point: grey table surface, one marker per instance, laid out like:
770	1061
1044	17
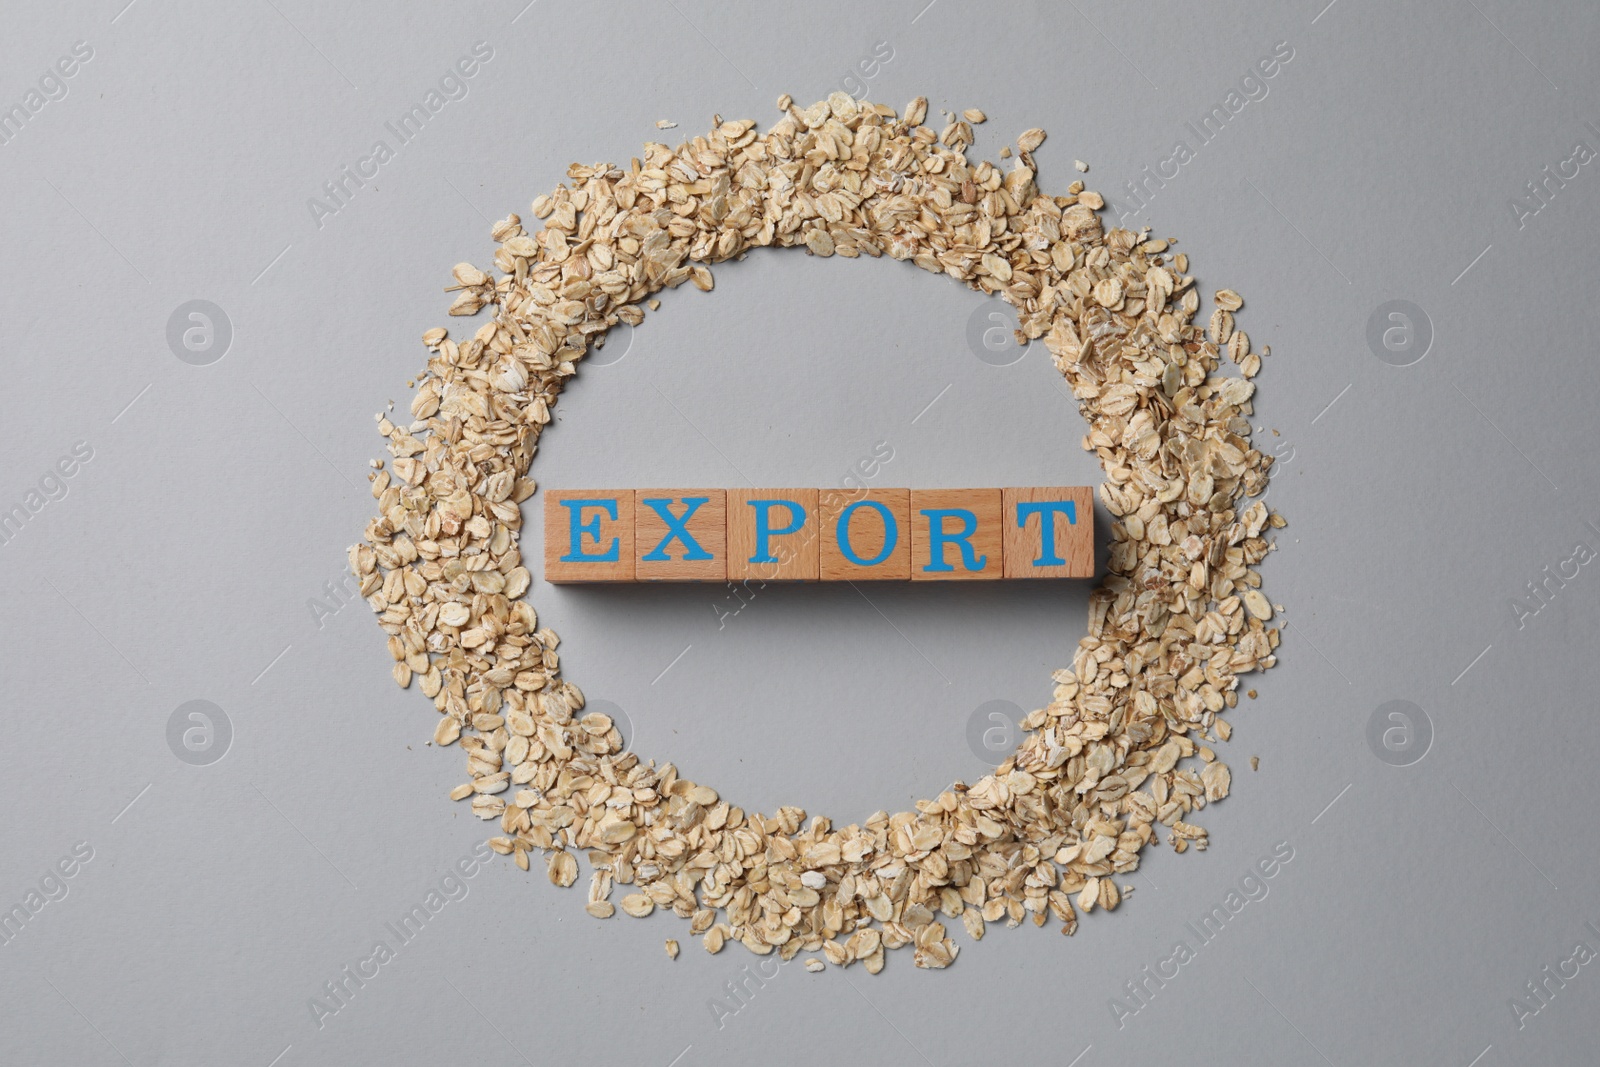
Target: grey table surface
1431	467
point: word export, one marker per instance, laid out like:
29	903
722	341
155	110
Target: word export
830	535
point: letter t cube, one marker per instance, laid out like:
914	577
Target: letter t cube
1049	532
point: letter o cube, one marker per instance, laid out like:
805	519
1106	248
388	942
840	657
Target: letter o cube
866	534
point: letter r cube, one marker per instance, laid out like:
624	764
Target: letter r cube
956	535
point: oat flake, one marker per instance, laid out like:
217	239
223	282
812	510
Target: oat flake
1101	767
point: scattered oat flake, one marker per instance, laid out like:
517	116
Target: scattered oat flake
672	949
1257	604
664	124
1255	763
972	114
1083	168
813	964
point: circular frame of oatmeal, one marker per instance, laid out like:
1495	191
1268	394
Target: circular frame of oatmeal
1119	751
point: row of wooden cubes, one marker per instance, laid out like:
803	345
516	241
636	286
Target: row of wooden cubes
831	535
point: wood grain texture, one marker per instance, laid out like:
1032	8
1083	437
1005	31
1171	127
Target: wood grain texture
866	534
798	555
597	533
938	553
1027	552
707	527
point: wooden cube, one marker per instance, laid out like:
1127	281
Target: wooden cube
866	534
588	535
773	535
956	535
1049	532
680	535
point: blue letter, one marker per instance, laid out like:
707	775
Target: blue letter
938	538
764	530
764	527
677	529
576	554
1045	509
891	533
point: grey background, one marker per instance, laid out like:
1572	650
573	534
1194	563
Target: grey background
181	563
